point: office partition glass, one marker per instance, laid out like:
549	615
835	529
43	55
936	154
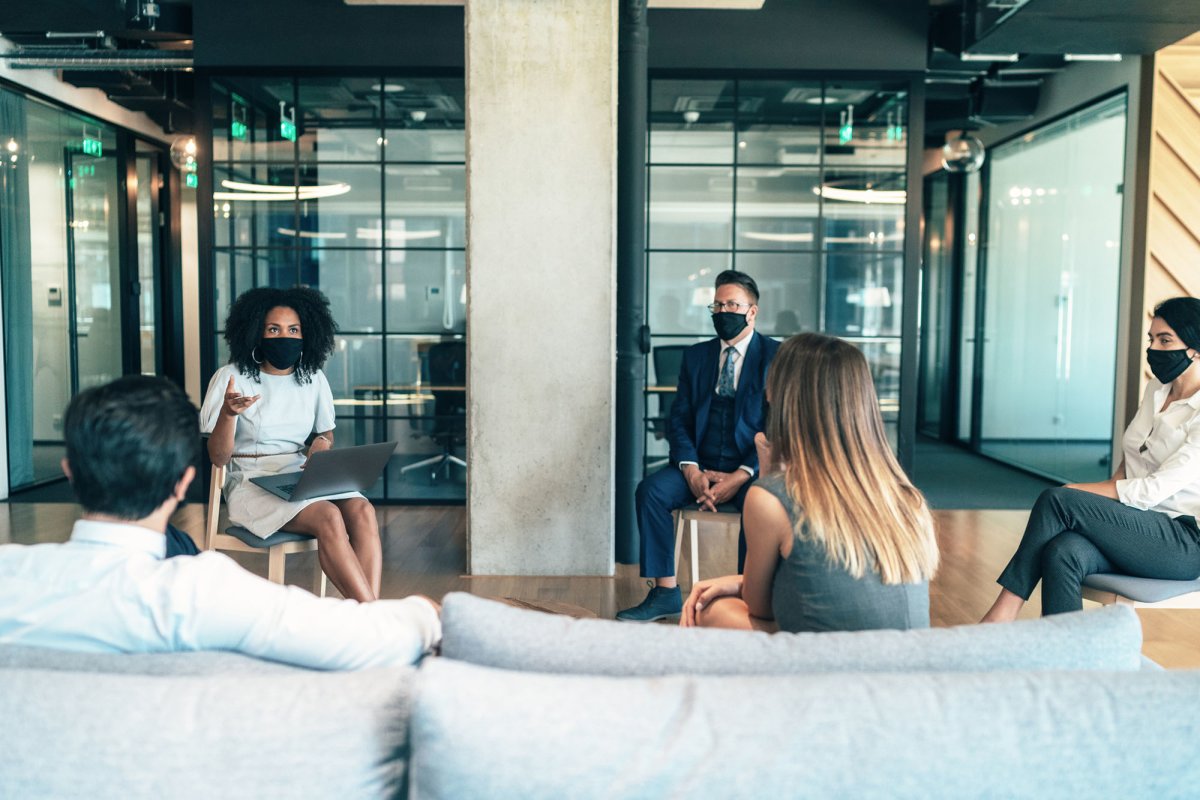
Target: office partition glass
800	184
356	186
1052	268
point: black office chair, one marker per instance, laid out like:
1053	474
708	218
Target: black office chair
668	361
448	425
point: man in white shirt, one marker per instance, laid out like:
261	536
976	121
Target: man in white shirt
130	449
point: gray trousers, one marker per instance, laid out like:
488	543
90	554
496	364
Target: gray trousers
1072	534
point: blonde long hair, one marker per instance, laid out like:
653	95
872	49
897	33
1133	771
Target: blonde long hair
828	440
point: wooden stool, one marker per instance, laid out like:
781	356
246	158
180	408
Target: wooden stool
727	514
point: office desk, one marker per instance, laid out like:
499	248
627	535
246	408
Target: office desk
367	396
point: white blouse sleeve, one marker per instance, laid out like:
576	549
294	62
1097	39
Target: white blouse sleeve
214	398
325	412
1180	469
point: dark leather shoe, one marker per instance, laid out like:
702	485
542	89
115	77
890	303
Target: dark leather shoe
659	604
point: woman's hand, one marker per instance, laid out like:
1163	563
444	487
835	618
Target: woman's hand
704	593
766	456
235	402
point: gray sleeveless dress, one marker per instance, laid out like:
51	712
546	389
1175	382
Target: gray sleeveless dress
812	594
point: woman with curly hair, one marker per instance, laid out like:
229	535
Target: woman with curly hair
261	410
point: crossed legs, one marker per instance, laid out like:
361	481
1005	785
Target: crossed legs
348	544
1072	534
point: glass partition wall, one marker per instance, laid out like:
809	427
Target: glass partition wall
1051	272
356	186
799	184
78	279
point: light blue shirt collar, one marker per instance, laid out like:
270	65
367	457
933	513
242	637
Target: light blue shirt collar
116	534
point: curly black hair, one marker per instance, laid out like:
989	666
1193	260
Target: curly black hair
247	315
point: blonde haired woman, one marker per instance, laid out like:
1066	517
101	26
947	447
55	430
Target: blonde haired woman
837	537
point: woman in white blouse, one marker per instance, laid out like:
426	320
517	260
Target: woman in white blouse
261	411
1140	522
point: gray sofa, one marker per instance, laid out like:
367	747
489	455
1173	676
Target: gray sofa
531	705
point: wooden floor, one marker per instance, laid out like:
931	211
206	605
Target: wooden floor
425	553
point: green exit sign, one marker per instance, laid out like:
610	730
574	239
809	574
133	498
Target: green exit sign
845	133
287	129
239	130
86	170
191	180
93	147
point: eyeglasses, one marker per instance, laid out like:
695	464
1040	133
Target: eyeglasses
731	305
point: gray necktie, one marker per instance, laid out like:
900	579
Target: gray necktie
725	386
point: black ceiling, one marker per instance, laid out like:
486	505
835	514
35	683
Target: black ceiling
961	92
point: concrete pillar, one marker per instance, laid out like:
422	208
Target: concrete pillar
541	189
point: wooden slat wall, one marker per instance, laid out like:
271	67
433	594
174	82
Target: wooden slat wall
1173	223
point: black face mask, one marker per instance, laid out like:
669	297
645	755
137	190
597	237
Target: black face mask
281	352
728	324
1167	365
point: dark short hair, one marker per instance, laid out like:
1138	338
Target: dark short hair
128	444
1183	315
732	276
244	328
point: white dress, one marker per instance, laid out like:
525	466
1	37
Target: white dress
275	427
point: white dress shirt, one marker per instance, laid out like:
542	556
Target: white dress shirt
110	589
1162	455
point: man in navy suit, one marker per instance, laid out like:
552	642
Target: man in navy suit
717	411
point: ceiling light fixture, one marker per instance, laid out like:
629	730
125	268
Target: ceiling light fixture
390	88
1006	57
893	197
260	192
376	234
310	234
1092	57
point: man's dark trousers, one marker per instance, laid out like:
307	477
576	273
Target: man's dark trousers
657	496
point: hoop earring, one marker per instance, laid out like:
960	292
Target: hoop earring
252	358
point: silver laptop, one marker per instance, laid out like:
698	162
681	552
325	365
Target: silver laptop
350	469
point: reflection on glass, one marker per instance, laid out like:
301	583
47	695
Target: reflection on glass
681	287
427	291
425	207
147	264
936	286
863	210
95	258
344	210
425	119
247	117
353	282
862	294
355	369
339	119
779	122
235	272
254	206
691	122
1053	263
777	209
691	208
789	291
966	383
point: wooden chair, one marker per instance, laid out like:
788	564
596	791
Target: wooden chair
278	545
727	515
1110	589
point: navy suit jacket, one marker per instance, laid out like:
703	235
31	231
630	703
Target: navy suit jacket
693	397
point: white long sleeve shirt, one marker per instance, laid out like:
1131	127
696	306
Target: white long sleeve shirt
110	589
1162	455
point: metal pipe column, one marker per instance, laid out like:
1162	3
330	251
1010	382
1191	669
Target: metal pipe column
632	333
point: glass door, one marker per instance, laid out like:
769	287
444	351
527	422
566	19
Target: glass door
93	269
149	260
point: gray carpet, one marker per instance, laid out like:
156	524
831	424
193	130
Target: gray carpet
952	477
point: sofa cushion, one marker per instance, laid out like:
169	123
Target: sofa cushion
230	734
207	662
497	635
479	732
